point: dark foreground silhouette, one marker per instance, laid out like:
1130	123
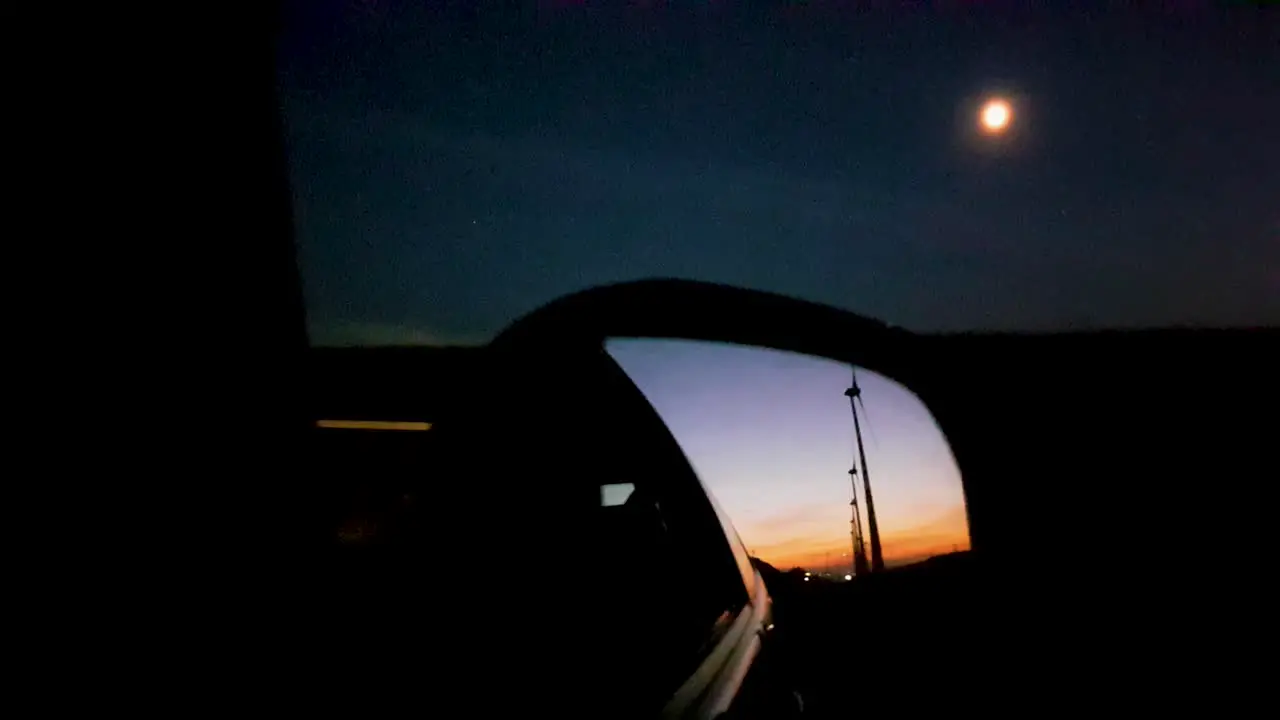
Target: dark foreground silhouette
845	642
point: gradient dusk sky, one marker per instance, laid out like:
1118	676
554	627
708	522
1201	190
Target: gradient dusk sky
771	436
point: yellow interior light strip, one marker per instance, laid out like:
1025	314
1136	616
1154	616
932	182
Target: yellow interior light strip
373	425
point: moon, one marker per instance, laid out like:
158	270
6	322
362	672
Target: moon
996	116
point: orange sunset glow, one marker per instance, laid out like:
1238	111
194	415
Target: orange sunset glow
806	544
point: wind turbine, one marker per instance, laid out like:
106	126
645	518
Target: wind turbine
854	393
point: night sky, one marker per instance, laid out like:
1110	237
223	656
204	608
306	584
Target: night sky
453	170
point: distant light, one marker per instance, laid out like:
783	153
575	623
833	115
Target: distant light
807	574
848	577
806	577
373	425
996	116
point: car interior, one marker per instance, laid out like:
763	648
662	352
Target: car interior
1114	480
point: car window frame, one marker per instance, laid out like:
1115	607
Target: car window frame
697	510
741	555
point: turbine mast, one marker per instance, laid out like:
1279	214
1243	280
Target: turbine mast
877	559
860	566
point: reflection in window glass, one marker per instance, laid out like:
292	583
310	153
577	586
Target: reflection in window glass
770	434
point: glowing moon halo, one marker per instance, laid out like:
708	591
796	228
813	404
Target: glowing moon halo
996	116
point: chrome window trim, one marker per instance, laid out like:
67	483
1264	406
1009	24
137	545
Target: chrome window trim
710	690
